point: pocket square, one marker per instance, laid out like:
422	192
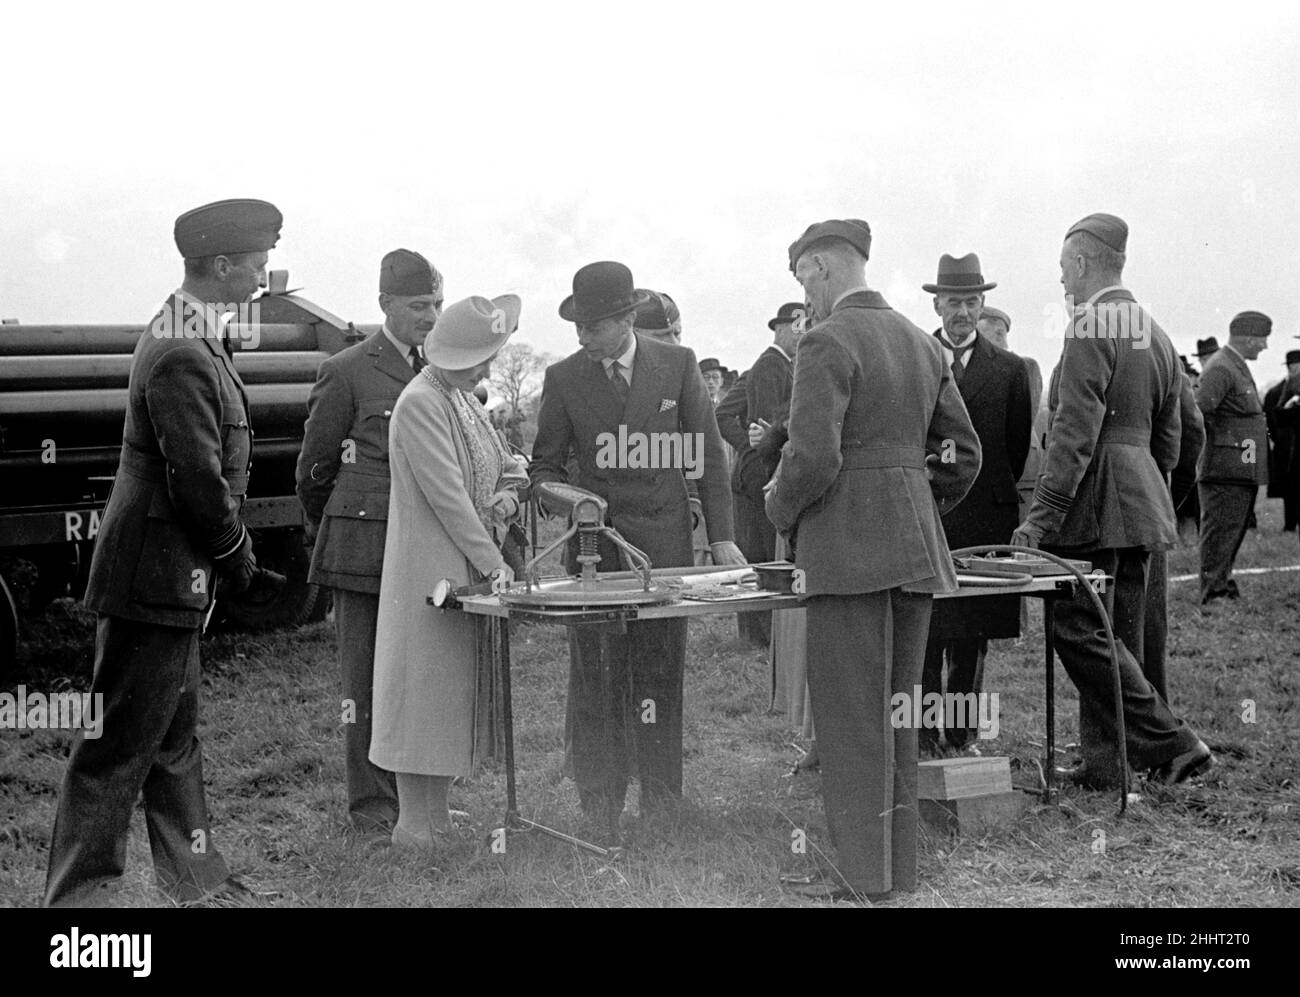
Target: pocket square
667	403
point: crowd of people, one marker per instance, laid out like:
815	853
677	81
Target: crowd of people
857	445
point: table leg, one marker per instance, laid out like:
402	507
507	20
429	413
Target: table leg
506	707
1049	645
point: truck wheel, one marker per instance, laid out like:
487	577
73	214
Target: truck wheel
8	631
298	602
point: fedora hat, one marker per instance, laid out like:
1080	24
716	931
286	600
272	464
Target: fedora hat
1206	347
959	274
601	290
787	313
472	331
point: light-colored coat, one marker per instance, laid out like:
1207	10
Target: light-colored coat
425	659
872	397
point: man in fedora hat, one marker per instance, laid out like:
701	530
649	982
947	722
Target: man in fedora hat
994	384
872	406
171	534
1206	348
1103	498
1234	462
343	484
711	371
757	432
622	383
1282	409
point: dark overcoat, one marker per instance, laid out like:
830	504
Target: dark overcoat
995	389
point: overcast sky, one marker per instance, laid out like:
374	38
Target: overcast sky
691	141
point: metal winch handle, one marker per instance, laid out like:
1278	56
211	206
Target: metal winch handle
586	512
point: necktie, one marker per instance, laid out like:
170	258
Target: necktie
958	366
618	381
417	364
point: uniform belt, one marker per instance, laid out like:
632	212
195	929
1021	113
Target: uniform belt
856	458
1131	435
368	471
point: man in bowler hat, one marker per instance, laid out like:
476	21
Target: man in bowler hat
619	378
872	407
1103	498
343	482
1234	462
171	535
994	384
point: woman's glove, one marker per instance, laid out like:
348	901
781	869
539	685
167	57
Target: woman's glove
501	578
504	506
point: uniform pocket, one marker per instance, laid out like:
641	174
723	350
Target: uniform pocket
168	571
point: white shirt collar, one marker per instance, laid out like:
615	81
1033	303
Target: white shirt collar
403	350
851	290
215	321
626	359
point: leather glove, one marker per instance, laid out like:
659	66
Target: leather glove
237	569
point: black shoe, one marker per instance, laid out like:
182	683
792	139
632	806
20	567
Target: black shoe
1192	762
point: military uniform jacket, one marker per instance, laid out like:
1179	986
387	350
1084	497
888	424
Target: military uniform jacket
1236	431
342	474
182	476
1115	431
648	506
995	389
872	397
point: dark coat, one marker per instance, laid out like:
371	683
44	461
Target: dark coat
1182	481
648	506
1236	432
766	392
1115	432
995	390
343	478
1284	434
181	480
872	397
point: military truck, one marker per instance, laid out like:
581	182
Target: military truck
63	393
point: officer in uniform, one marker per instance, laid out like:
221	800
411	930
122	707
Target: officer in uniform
171	535
343	486
1234	462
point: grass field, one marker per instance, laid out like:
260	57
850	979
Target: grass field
273	754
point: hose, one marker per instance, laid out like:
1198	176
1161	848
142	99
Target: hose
1110	642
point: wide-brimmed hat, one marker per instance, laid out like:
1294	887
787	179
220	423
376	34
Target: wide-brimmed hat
471	331
601	290
958	274
1206	347
787	313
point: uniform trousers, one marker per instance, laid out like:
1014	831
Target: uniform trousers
862	649
756	538
1153	735
372	791
625	710
149	677
1225	513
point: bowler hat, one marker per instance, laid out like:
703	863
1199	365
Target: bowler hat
1206	347
959	274
471	331
657	313
787	314
1109	229
601	290
237	225
1250	324
710	363
854	231
1292	356
407	273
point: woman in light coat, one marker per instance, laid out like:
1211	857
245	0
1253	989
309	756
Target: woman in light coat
453	492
